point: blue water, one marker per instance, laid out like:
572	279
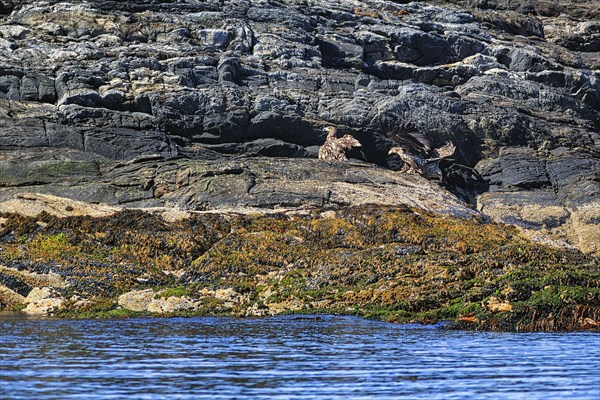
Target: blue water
288	358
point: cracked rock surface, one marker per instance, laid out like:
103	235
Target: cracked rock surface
210	104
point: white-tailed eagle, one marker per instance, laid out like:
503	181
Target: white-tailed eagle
418	156
335	148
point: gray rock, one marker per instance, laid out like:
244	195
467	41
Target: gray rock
217	38
10	87
514	23
421	48
587	38
14	31
82	85
522	60
123	144
340	53
515	168
288	128
263	147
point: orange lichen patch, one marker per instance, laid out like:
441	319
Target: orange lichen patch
400	12
364	12
469	318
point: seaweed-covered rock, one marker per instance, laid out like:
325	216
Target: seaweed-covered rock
393	263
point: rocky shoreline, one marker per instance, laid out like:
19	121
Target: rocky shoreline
213	112
395	263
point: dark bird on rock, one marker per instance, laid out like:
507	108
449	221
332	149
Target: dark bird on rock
419	157
335	148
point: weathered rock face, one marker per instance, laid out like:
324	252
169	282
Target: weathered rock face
137	300
43	301
235	184
156	302
86	87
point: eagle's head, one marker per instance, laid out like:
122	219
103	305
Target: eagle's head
330	131
397	150
404	156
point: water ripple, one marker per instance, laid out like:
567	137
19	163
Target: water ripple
288	358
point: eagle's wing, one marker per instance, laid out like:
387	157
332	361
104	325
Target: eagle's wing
445	151
421	139
412	142
348	142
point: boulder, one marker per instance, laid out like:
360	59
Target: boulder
515	168
44	307
521	60
14	31
9	297
38	294
340	53
137	300
586	38
543	217
421	48
43	301
217	38
172	304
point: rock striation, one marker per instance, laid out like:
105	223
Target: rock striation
208	104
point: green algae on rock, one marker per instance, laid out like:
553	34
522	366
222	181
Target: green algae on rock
393	263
